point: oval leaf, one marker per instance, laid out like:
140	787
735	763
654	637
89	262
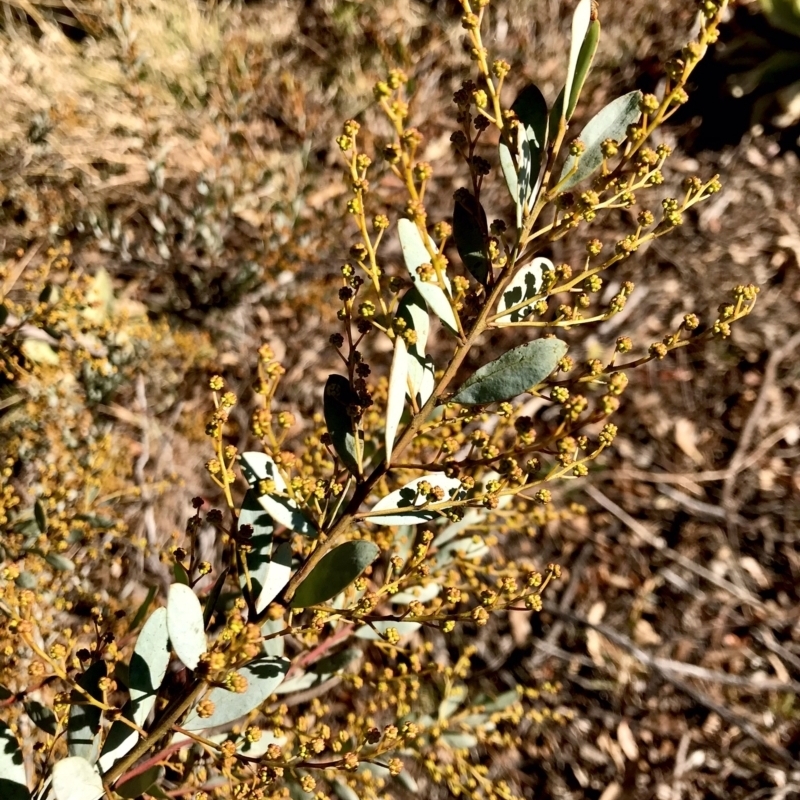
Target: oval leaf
262	527
12	767
531	110
40	352
76	779
525	285
276	645
427	381
581	20
338	396
335	572
585	58
404	500
501	702
460	741
149	665
522	169
469	232
139	784
263	676
277	576
59	562
40	515
609	123
257	467
83	724
513	373
398	384
120	740
508	166
415	254
185	624
413	311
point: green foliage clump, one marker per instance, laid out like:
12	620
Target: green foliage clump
308	656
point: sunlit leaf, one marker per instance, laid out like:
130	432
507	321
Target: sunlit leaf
12	767
120	740
415	254
40	352
396	396
610	123
469	232
335	572
83	723
276	645
257	467
75	778
525	285
263	676
513	373
581	20
509	168
414	312
405	500
278	573
522	169
585	58
261	526
149	664
185	625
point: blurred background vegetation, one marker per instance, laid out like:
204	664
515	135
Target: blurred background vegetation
170	198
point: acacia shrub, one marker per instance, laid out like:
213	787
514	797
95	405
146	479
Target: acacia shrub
304	658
